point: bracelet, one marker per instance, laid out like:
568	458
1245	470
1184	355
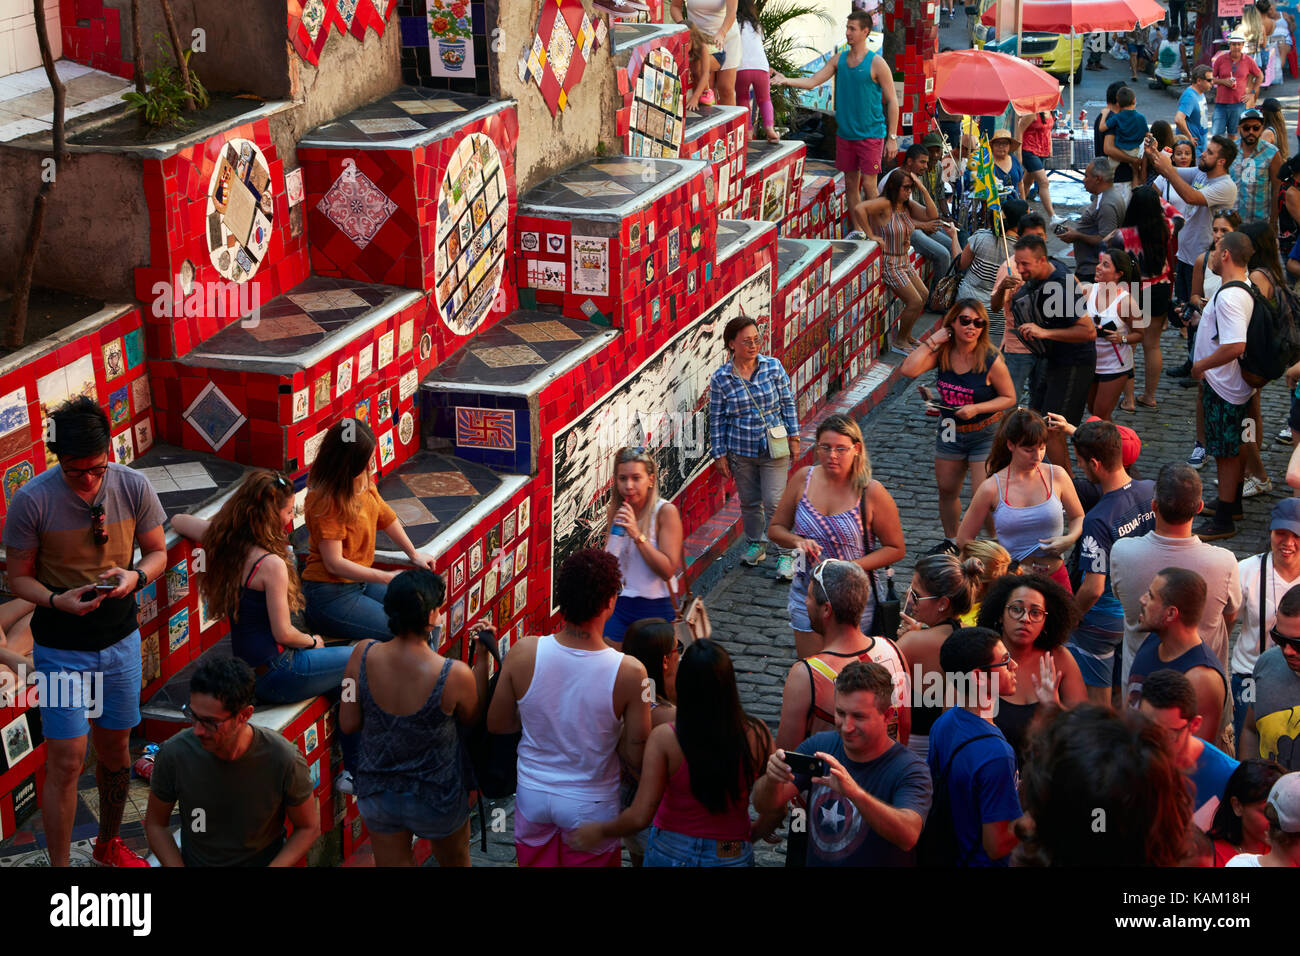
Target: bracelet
52	607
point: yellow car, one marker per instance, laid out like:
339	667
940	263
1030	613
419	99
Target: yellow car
1050	51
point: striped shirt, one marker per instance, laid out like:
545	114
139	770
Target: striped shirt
1250	173
740	411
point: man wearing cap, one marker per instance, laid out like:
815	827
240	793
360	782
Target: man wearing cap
1264	579
1236	81
1104	216
1282	810
1255	170
1193	114
1272	722
934	238
1123	509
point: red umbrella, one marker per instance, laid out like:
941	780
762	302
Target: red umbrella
982	83
1082	16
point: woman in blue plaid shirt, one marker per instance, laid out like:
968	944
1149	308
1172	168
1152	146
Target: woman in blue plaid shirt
747	396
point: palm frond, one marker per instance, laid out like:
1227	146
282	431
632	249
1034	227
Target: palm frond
783	43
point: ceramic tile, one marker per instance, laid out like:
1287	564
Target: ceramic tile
509	355
357	206
438	484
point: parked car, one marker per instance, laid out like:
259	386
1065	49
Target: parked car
1050	51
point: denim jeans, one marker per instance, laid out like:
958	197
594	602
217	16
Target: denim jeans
939	252
301	674
1226	117
760	482
353	610
1019	364
667	848
1239	708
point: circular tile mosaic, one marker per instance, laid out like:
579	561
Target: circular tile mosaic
240	207
655	127
473	212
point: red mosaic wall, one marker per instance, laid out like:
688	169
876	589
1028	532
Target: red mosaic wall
678	44
99	42
723	146
750	204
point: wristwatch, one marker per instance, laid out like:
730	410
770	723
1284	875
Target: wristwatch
144	579
641	539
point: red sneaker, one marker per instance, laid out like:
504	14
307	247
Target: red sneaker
116	853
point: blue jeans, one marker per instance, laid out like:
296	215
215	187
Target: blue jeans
1019	364
301	674
1226	117
667	848
760	482
352	610
937	251
627	610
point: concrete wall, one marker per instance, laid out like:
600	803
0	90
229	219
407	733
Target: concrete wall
87	247
548	144
245	41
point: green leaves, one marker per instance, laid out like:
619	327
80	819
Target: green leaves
164	101
783	43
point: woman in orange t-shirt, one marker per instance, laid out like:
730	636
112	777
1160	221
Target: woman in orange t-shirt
344	513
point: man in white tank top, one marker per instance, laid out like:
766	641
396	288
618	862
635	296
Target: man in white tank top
581	706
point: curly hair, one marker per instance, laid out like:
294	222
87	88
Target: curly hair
1062	616
1090	759
588	580
249	519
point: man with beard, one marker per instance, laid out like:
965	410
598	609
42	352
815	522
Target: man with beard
1273	721
1205	188
1255	170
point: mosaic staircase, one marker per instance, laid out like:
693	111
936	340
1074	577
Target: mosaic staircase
502	343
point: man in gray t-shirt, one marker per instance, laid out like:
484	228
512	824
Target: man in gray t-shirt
236	783
1104	216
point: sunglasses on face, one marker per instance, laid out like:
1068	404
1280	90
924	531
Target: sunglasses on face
1281	640
1252	128
971	320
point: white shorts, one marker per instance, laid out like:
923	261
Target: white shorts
539	814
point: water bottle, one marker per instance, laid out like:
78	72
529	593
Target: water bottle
618	531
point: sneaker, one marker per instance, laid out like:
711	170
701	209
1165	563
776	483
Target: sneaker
344	783
708	98
856	234
1284	436
785	567
1253	487
115	853
1197	458
755	554
1057	219
1210	530
1211	508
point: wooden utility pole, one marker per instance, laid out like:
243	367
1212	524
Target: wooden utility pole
181	63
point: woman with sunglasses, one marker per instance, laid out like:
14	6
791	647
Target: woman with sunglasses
250	576
940	593
644	532
654	643
697	774
1035	616
344	514
835	509
1029	500
1239	823
1114	312
975	388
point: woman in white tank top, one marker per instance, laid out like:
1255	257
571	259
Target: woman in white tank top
645	534
1112	310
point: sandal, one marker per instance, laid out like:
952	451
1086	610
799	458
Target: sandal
1144	403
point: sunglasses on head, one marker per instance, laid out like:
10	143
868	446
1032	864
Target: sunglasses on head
98	524
1281	640
282	483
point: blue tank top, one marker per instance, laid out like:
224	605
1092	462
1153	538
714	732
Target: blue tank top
1020	530
251	637
859	101
1147	661
415	753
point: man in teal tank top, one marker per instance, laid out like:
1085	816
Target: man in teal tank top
866	109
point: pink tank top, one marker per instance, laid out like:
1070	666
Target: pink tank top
680	812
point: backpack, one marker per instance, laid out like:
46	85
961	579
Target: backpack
1287	227
491	759
938	844
1273	335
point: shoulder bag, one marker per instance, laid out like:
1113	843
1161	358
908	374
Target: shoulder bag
778	441
888	614
691	622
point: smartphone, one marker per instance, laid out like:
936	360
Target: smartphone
1110	327
1060	229
805	765
105	588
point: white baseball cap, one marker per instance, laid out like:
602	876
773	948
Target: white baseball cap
1284	798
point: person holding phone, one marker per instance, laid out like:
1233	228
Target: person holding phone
868	795
1113	312
69	536
344	514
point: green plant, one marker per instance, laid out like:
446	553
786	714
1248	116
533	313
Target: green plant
161	104
782	43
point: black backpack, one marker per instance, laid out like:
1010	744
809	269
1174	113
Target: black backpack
1273	336
938	844
492	759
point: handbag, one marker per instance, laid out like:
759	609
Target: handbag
944	293
887	616
778	441
691	622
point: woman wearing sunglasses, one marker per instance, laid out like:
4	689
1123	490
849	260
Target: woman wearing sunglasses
835	509
1114	312
975	388
940	593
250	576
1034	615
1029	500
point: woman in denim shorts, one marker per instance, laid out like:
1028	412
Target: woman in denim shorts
974	389
409	700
